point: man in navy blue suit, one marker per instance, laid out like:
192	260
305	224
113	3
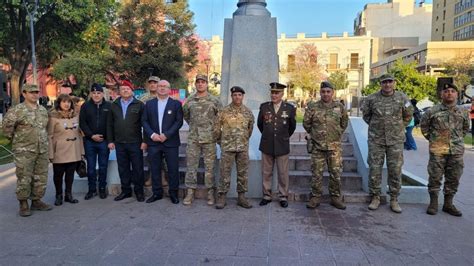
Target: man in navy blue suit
161	120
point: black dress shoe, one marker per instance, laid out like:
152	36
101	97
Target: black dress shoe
174	199
90	195
153	198
284	203
123	196
264	202
102	193
140	197
70	199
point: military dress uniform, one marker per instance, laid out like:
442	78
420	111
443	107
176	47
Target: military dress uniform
387	117
201	114
27	129
276	123
326	122
445	128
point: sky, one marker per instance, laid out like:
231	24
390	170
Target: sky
293	16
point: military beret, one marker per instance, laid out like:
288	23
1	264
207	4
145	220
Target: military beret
201	77
30	88
326	84
385	77
237	89
450	85
126	83
96	87
275	86
153	78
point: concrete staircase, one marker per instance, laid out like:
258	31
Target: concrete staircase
299	171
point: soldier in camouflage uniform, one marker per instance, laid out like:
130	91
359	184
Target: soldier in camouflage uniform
387	112
152	89
25	125
200	112
233	130
445	125
326	121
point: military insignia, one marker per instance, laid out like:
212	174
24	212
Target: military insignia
169	112
284	122
284	115
407	104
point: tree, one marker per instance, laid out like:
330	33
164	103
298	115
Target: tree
59	27
339	80
152	36
461	69
306	72
413	83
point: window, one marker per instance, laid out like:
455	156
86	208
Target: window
354	61
444	14
291	63
443	28
333	61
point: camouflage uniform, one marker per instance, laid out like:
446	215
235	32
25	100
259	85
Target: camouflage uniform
445	128
146	97
326	124
201	113
233	129
387	117
27	129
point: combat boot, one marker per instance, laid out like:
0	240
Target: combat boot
433	207
210	197
38	205
313	202
375	203
394	206
221	202
449	207
337	203
189	197
24	208
243	202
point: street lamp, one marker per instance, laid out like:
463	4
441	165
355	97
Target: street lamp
31	13
206	62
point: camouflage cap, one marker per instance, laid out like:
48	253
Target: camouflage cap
201	77
237	89
326	84
385	77
154	78
450	85
30	88
275	86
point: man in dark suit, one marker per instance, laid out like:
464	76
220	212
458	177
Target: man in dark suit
277	122
161	120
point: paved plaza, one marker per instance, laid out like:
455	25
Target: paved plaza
104	232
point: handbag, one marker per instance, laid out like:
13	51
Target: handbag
81	168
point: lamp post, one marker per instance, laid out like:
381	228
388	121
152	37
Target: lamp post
206	62
31	14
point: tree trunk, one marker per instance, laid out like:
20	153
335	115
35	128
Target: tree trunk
15	88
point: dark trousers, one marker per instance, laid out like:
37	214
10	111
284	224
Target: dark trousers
60	170
96	153
130	167
171	155
410	143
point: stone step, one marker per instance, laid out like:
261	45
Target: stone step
349	180
302	179
302	163
300	195
296	149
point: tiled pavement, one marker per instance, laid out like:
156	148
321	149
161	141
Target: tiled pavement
104	232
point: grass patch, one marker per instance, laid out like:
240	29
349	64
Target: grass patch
299	115
5	144
468	139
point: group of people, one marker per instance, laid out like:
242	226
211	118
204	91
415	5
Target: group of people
152	123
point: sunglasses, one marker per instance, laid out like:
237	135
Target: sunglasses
387	81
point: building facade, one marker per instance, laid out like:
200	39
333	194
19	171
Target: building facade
453	20
350	54
395	26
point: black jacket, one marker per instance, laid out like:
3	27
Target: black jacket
276	128
93	118
128	130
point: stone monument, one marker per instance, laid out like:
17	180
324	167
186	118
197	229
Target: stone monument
250	52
